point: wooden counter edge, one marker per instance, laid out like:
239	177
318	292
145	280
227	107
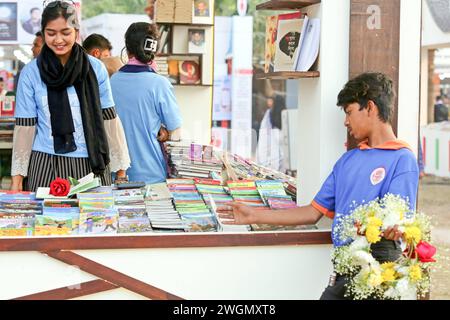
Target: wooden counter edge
166	241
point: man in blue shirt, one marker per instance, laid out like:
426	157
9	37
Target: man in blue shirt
381	164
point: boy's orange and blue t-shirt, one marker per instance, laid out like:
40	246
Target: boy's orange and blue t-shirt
364	174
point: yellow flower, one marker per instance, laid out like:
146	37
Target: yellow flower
375	222
415	274
388	265
413	234
373	234
388	275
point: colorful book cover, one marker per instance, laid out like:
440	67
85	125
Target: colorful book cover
52	226
271	37
288	38
189	72
17	224
96	221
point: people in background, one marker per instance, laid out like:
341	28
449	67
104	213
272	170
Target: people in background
145	100
66	124
33	24
269	151
381	164
97	46
38	42
440	110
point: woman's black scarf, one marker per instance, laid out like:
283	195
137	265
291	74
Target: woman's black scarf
77	72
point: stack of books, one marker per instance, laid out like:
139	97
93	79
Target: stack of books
245	191
274	195
194	161
190	205
17	213
210	188
163	66
160	209
133	216
97	212
246	169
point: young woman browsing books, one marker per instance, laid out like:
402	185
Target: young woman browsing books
66	124
144	101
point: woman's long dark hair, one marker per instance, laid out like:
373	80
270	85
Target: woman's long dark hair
57	9
279	104
135	38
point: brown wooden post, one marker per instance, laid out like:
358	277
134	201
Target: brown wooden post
375	42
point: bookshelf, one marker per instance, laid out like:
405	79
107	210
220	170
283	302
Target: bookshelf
288	75
285	5
288	5
182	20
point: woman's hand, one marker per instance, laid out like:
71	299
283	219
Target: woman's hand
236	213
17	183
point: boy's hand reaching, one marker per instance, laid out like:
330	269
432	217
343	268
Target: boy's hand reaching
235	213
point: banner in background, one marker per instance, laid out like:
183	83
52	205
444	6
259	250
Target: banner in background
21	19
241	93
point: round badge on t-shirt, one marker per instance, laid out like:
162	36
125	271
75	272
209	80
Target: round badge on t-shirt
377	176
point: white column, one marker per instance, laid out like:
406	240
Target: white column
322	135
409	72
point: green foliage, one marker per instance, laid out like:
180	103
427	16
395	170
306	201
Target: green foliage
91	8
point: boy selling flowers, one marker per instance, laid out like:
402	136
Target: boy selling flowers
380	165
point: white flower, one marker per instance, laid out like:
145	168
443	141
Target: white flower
360	243
363	258
405	290
391	219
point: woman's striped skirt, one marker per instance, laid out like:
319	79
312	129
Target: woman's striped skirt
44	168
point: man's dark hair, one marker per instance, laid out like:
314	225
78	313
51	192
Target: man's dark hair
374	86
96	41
438	98
39	34
34	9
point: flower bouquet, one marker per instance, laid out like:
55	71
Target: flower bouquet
405	278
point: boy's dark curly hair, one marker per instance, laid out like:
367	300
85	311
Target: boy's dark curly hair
374	86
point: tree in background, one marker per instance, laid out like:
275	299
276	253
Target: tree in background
228	8
93	8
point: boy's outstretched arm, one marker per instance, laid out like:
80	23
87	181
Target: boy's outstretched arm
238	213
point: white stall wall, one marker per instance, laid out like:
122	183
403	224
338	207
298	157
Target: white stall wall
240	273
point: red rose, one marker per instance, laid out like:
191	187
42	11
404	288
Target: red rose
59	187
425	252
